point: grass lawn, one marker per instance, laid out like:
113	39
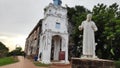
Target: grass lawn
41	64
7	60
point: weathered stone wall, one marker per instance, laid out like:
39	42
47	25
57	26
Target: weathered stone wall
92	63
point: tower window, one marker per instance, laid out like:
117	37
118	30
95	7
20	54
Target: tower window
57	25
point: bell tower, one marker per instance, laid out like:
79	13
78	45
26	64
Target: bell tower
54	36
57	2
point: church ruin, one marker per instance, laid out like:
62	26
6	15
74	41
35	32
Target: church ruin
49	38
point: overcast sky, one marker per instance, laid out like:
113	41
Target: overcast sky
18	17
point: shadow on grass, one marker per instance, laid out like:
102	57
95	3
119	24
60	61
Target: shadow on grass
8	60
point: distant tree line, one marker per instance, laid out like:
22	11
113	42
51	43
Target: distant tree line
4	51
16	52
107	19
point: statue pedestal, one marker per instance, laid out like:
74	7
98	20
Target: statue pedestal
91	63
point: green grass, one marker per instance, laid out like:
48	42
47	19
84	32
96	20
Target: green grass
7	60
117	64
41	64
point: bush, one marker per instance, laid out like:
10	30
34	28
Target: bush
117	64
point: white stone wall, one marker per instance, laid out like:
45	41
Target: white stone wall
53	15
50	23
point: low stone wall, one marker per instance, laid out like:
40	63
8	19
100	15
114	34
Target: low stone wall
92	63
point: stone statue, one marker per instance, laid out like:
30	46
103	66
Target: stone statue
88	27
57	2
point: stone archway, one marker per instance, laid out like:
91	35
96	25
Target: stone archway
56	47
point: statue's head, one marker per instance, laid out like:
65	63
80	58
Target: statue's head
89	17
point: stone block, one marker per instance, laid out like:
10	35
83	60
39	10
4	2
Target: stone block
92	63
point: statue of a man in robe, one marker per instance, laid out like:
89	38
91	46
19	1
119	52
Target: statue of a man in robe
88	27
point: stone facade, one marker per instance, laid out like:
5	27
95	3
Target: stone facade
32	41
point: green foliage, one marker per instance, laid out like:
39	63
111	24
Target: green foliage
107	19
7	60
18	48
16	52
107	37
2	46
3	50
117	64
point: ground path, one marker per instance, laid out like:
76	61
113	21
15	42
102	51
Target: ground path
25	63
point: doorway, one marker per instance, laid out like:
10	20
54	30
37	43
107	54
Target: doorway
56	47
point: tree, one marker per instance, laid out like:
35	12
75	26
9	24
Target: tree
3	50
107	19
16	52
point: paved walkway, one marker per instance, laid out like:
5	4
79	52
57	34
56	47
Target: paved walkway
25	63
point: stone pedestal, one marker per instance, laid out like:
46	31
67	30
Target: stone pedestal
91	63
